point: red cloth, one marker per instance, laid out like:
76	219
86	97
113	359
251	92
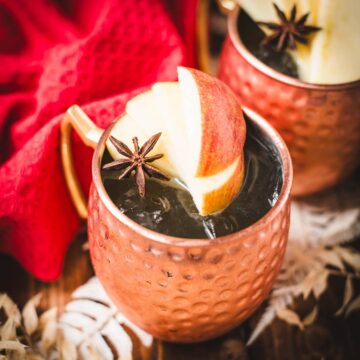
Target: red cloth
53	54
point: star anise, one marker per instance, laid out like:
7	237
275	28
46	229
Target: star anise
288	31
137	162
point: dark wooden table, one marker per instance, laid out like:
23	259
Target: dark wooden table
329	337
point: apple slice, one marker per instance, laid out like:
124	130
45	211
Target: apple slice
263	10
336	46
168	101
212	194
335	51
186	132
203	134
216	135
260	10
146	117
214	122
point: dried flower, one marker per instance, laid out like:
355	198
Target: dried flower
313	256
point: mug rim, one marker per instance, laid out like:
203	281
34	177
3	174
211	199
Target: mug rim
199	242
270	72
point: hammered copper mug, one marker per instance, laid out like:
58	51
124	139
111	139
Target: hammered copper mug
319	123
182	290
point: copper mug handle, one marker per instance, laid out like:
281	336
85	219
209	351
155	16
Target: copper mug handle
203	30
75	118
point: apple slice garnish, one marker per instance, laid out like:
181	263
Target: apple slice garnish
214	121
216	134
168	101
203	135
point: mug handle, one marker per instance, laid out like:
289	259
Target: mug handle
90	134
203	30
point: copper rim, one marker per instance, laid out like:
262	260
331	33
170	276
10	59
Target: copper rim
263	68
166	239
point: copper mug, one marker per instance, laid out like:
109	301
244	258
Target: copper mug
319	123
182	290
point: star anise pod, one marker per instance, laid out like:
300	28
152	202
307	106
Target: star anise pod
137	162
288	31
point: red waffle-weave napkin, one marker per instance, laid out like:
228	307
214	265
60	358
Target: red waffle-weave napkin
53	54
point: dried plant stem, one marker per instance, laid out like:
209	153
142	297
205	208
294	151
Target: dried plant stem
344	274
26	336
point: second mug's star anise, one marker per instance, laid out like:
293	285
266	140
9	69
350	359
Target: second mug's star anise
288	31
137	162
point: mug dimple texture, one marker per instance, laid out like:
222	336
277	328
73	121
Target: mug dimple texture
184	294
320	128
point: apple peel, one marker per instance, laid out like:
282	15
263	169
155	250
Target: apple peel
203	135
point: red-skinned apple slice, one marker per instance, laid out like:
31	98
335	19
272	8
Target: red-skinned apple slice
193	131
203	134
214	121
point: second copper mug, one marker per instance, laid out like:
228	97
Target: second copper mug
177	289
319	123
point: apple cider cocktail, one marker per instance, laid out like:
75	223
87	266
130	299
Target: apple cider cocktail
239	182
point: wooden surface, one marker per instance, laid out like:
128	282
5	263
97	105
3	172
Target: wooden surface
329	337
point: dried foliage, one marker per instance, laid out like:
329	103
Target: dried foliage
90	328
95	328
320	226
26	335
